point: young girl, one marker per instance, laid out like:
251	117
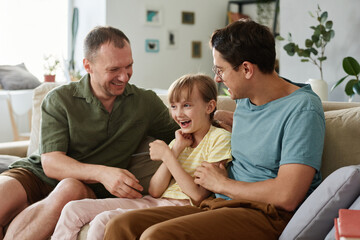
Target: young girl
192	105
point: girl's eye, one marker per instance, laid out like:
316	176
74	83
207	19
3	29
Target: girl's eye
186	105
172	106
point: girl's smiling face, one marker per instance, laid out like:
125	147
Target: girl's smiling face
192	113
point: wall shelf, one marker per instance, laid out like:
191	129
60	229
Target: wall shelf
244	2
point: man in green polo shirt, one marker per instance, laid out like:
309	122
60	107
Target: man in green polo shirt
89	131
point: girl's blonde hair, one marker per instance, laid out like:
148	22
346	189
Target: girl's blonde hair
204	83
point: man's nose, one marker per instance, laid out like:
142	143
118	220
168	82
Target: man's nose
123	76
217	79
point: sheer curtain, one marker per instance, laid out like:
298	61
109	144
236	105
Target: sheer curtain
31	29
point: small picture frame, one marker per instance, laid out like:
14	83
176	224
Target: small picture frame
152	45
196	49
172	39
153	16
188	17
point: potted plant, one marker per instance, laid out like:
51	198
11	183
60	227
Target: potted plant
50	66
314	50
352	68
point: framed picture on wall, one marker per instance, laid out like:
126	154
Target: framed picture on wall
172	39
153	16
188	17
152	45
196	49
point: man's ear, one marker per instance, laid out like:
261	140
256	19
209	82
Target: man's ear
211	106
248	69
86	64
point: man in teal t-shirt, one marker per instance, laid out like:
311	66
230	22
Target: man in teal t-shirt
89	130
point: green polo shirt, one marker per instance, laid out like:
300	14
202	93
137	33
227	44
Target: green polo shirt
74	121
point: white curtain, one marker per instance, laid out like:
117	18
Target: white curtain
30	29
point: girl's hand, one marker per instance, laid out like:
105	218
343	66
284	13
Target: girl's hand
183	140
159	150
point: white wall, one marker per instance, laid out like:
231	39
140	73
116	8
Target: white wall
294	18
159	70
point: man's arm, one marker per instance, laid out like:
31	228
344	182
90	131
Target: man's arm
286	191
119	182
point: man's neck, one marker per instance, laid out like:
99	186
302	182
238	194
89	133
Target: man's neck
269	87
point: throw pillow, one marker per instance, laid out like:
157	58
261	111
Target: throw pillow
17	77
342	141
315	217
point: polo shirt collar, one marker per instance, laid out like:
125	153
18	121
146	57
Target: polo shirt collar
83	89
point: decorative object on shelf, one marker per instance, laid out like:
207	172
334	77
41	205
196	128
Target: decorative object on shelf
265	11
196	49
352	68
188	17
51	65
234	13
314	50
152	45
153	16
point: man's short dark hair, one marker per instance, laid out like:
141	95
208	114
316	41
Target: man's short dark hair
246	40
100	35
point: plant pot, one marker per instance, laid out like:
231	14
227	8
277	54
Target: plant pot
49	78
320	87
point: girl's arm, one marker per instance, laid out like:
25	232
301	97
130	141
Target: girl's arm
160	151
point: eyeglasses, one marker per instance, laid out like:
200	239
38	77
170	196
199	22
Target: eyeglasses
218	72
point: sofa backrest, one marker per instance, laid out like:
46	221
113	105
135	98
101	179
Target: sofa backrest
342	137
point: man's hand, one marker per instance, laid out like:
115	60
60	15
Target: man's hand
224	119
211	176
121	183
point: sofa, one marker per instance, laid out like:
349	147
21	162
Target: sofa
314	218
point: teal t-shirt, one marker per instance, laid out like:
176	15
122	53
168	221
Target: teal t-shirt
74	121
287	130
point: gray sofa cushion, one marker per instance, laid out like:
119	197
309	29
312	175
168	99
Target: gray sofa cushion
315	217
5	161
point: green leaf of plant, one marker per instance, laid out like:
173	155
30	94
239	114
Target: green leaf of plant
306	53
323	17
338	82
356	88
304	60
280	38
322	29
329	24
314	51
349	87
351	66
327	36
290	49
322	59
308	43
332	33
315	38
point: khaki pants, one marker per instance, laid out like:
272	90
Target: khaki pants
214	219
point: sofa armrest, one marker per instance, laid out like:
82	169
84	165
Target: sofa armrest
18	148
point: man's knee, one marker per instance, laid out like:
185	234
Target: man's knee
124	226
67	190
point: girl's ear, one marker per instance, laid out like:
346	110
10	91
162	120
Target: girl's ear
211	106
